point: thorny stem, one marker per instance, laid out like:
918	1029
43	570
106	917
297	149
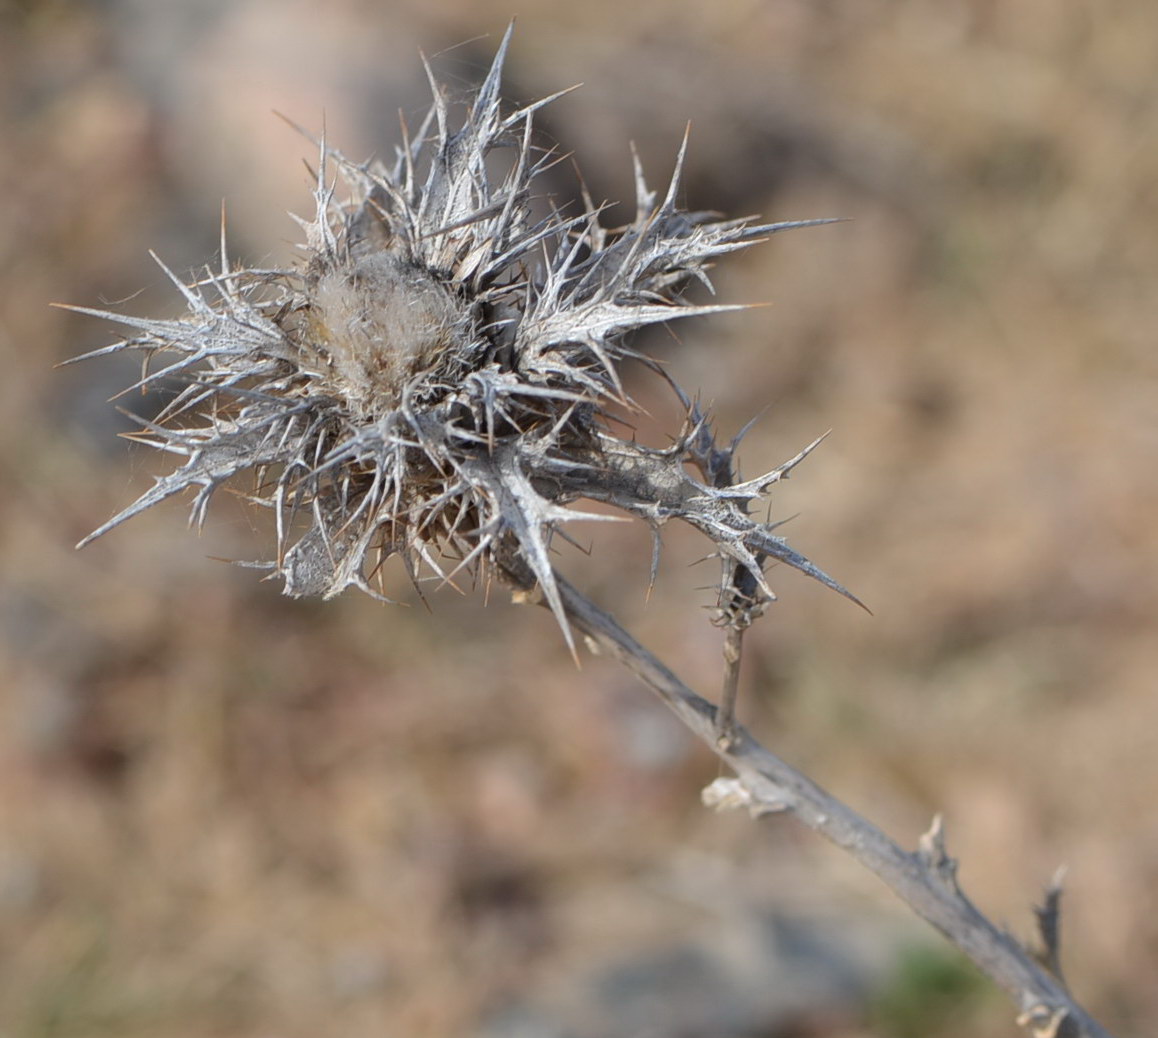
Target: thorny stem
741	599
726	714
924	879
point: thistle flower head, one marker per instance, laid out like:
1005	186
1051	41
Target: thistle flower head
436	380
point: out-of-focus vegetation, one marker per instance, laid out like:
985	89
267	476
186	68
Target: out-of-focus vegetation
929	993
227	813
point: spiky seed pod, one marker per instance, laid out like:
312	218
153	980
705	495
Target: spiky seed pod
435	381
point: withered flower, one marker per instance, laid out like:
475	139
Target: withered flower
437	380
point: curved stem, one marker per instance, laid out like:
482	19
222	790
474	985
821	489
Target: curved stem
925	879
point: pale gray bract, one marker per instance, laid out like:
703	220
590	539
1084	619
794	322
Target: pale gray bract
435	381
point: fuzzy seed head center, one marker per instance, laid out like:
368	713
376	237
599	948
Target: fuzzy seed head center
378	323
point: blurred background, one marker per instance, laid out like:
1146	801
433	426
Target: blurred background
227	813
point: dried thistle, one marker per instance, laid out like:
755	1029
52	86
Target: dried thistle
437	380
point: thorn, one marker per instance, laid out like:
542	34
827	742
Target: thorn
1044	1022
932	853
932	843
656	546
1048	916
225	271
760	484
749	425
792	225
677	173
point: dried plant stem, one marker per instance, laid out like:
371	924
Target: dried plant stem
924	879
726	715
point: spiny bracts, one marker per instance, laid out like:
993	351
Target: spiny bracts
436	381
